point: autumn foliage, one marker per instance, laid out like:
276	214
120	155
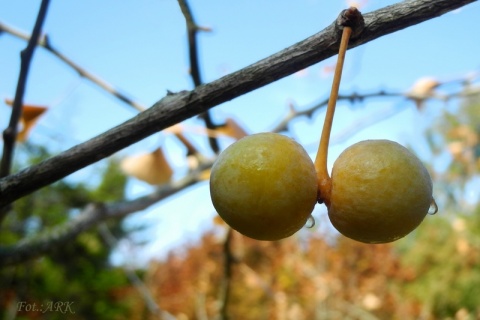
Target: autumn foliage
317	276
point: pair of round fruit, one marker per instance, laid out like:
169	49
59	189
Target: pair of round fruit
265	186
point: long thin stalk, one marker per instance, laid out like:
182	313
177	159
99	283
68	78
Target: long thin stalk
324	181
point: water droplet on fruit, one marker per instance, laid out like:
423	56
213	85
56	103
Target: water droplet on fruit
433	208
310	222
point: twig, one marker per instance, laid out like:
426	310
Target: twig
10	133
103	84
134	278
46	43
354	97
261	283
364	122
42	243
192	30
360	97
178	107
228	260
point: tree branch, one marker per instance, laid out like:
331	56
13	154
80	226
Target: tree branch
183	105
226	284
46	43
93	214
134	279
192	30
101	83
10	133
354	97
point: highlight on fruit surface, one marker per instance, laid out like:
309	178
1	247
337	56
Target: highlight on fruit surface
264	186
380	192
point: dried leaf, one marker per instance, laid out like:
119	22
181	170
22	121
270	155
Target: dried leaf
28	119
232	129
466	134
217	220
422	89
205	174
152	167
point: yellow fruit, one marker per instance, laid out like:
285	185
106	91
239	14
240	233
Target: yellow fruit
380	192
264	186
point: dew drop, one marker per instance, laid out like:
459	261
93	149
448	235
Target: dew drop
433	208
310	222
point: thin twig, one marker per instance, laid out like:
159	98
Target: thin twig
175	108
46	43
192	30
134	279
260	283
360	97
353	97
10	133
228	260
101	83
365	122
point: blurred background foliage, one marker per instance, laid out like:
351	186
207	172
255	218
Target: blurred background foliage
78	271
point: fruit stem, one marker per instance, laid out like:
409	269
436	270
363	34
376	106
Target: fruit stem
324	181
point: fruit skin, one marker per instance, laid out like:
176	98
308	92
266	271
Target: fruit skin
264	186
380	192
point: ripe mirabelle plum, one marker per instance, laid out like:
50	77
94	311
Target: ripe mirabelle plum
264	186
380	192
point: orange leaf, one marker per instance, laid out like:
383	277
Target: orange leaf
205	174
217	220
232	129
29	117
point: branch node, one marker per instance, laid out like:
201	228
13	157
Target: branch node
352	18
203	28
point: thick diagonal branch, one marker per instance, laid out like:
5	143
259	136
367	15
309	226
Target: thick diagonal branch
93	214
181	106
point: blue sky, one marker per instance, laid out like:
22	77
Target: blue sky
141	48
